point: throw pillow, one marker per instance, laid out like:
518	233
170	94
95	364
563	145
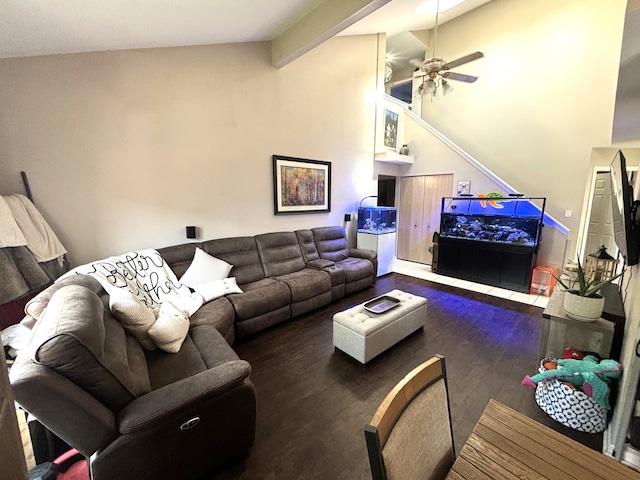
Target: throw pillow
204	268
170	329
134	316
217	288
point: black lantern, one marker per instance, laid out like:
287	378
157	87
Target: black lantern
599	266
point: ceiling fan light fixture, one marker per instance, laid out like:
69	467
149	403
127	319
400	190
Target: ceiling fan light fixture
446	87
437	68
430	87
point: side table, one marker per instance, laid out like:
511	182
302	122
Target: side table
560	331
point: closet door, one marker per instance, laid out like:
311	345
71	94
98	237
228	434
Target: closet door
410	218
419	214
436	187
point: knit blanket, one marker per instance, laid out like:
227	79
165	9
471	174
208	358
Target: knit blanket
146	275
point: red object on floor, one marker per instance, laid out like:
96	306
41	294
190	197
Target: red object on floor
571	353
73	466
77	471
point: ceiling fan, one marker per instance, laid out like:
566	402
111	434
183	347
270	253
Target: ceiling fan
435	71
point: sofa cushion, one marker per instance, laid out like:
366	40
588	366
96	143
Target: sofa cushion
219	314
165	369
204	269
306	283
307	245
280	253
266	295
203	348
213	349
80	340
356	268
331	243
242	253
134	315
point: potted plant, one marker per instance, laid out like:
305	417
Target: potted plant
583	302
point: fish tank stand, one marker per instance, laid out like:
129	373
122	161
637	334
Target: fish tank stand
377	232
493	241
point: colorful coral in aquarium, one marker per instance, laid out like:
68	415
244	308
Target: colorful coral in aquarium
503	230
376	220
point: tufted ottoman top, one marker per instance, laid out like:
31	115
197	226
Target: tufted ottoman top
365	323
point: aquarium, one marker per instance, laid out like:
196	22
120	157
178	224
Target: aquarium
515	221
376	220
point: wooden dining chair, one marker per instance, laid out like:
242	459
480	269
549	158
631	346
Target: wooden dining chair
410	435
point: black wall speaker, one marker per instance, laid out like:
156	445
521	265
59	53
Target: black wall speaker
191	232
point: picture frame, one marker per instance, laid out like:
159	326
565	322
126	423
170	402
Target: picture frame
301	185
464	187
391	130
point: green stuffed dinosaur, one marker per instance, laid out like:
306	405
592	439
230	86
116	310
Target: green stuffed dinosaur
586	373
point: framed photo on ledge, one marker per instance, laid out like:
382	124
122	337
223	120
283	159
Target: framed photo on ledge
391	129
301	186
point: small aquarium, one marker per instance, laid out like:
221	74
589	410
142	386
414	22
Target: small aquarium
376	220
500	220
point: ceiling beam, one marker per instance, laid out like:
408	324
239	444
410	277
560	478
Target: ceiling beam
319	25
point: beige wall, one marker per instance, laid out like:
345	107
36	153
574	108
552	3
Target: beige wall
123	149
545	96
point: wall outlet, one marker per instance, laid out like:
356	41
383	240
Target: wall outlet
567	213
347	217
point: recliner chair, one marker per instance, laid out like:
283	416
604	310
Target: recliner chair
135	413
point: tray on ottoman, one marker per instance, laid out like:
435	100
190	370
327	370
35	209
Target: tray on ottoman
381	304
364	334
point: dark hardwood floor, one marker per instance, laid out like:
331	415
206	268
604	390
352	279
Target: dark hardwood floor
313	402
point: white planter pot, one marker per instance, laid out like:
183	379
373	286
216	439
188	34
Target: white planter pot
585	309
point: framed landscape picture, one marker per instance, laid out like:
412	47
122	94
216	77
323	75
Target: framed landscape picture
300	185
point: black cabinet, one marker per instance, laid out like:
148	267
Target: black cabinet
491	240
499	265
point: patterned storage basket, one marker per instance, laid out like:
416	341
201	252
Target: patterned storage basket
572	408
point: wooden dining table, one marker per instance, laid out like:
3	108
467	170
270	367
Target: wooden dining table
506	444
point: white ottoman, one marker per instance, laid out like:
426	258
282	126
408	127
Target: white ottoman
363	335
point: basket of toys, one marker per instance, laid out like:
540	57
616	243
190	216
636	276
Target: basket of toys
575	392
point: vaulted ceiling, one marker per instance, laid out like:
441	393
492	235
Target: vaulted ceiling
29	28
293	26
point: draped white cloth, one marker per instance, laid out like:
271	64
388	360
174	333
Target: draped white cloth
40	238
10	233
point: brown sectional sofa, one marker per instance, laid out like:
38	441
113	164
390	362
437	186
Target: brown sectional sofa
150	414
282	276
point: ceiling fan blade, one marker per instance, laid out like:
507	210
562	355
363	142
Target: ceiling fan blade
462	60
460	77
